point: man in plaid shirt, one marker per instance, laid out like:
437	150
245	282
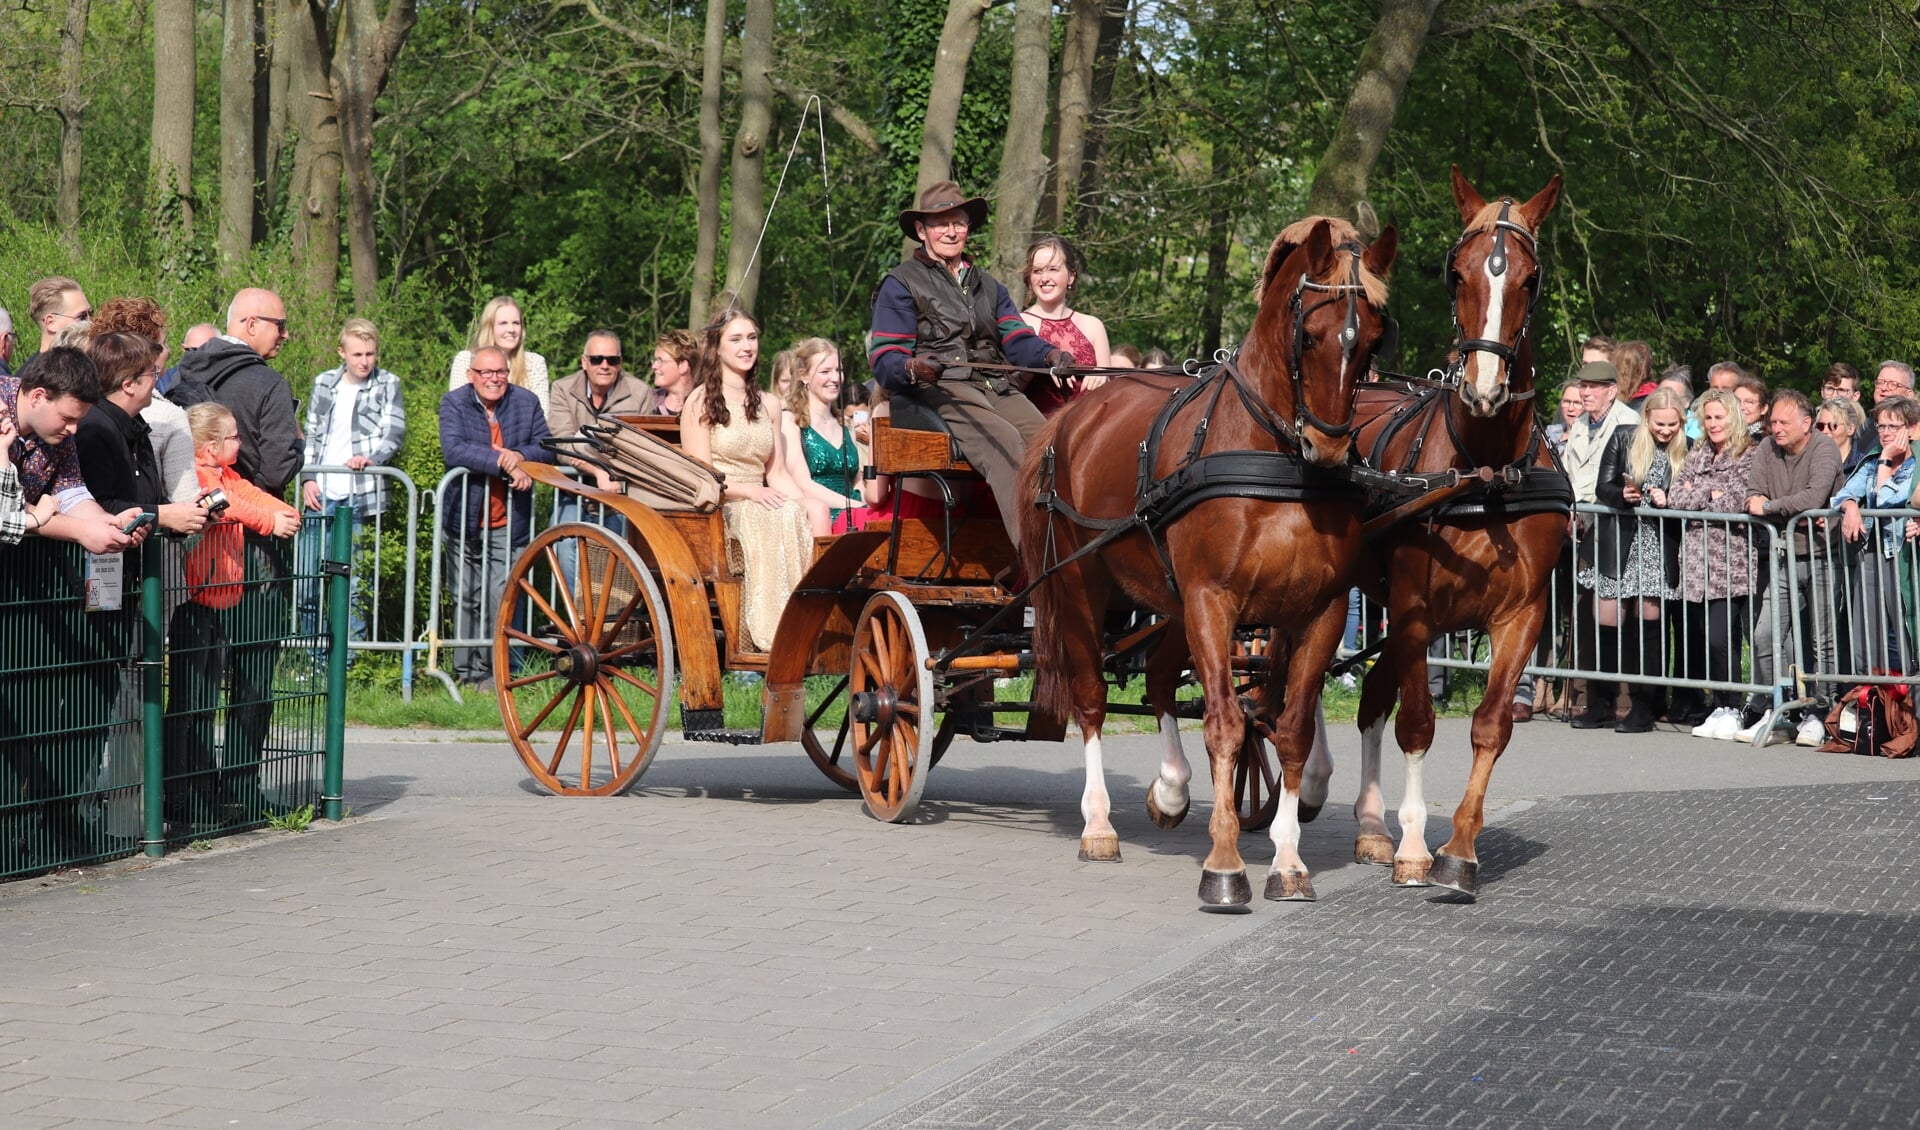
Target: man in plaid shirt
356	419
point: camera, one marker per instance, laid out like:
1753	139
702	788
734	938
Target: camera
215	501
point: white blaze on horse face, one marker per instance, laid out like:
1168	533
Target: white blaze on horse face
1486	375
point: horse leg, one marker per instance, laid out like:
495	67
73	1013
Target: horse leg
1168	797
1319	771
1377	695
1081	652
1414	731
1458	866
1294	733
1210	621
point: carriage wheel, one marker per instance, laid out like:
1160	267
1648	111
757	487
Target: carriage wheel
828	759
890	700
600	659
1256	783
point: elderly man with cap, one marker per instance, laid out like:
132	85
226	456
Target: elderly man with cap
935	317
1587	439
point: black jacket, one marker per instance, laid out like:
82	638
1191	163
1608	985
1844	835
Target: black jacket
117	459
261	401
1614	537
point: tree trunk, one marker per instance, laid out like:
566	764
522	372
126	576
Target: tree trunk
1023	158
712	146
170	157
73	39
1340	183
368	48
237	66
314	190
957	37
1106	57
1219	244
280	120
750	151
1077	53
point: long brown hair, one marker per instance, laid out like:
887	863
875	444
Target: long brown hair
710	375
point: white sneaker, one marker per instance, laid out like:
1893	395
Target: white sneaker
1751	732
1349	682
1812	734
1723	718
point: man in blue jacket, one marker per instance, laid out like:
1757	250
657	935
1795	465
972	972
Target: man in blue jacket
489	427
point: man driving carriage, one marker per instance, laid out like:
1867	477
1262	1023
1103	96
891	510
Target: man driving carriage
940	322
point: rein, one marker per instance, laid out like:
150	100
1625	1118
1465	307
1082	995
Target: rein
1497	266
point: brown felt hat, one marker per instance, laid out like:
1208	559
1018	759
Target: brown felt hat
944	196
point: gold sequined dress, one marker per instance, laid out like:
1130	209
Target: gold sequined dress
767	548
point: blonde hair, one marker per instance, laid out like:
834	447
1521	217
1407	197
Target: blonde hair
363	329
782	367
483	337
1738	438
207	420
803	354
1640	453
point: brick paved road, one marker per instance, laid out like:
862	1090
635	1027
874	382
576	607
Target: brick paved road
1708	958
740	946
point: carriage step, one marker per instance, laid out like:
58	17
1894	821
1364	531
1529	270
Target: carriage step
724	737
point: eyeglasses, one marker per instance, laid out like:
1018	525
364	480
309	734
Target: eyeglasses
488	372
1885	428
1891	386
83	316
1827	427
933	225
1837	386
277	323
603	358
234	438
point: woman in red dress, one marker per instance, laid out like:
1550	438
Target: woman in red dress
1052	270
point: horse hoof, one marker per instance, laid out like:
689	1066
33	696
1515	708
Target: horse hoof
1373	848
1225	891
1462	875
1100	847
1411	872
1307	812
1290	887
1162	818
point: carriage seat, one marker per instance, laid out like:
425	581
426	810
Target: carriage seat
913	439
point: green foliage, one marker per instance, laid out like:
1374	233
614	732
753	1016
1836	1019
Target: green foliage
292	820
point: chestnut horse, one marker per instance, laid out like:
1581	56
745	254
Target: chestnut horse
1216	502
1483	562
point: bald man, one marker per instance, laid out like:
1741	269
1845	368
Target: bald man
232	369
196	336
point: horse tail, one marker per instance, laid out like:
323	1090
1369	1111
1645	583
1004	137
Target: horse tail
1051	695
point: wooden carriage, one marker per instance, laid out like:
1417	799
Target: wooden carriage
885	624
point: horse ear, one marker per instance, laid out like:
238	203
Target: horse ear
1379	257
1535	210
1319	250
1467	197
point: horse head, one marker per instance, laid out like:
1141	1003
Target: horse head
1323	315
1494	278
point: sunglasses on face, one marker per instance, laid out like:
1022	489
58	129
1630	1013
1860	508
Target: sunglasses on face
603	358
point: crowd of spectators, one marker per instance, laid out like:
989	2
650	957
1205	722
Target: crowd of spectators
1788	567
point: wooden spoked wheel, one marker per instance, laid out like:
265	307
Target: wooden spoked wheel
1256	783
891	704
831	760
599	657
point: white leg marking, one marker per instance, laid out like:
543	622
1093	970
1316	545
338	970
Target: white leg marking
1370	807
1170	787
1313	783
1486	377
1413	812
1286	835
1094	803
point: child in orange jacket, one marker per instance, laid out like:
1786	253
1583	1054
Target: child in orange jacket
215	566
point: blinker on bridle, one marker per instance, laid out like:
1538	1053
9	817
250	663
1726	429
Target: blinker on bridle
1497	264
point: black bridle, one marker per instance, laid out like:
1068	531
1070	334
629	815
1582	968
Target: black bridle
1497	264
1349	339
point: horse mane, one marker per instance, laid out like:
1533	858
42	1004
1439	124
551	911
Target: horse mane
1484	219
1295	234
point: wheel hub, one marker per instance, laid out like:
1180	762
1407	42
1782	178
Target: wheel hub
578	664
874	707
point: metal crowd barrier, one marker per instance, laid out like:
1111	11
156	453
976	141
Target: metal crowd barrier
133	717
375	608
1855	621
459	644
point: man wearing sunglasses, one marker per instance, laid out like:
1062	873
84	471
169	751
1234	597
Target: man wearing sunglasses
598	392
54	304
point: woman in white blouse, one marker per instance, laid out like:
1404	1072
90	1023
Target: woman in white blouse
502	326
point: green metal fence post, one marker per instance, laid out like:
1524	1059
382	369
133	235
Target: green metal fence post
339	570
153	657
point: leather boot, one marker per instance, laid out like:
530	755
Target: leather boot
1599	713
